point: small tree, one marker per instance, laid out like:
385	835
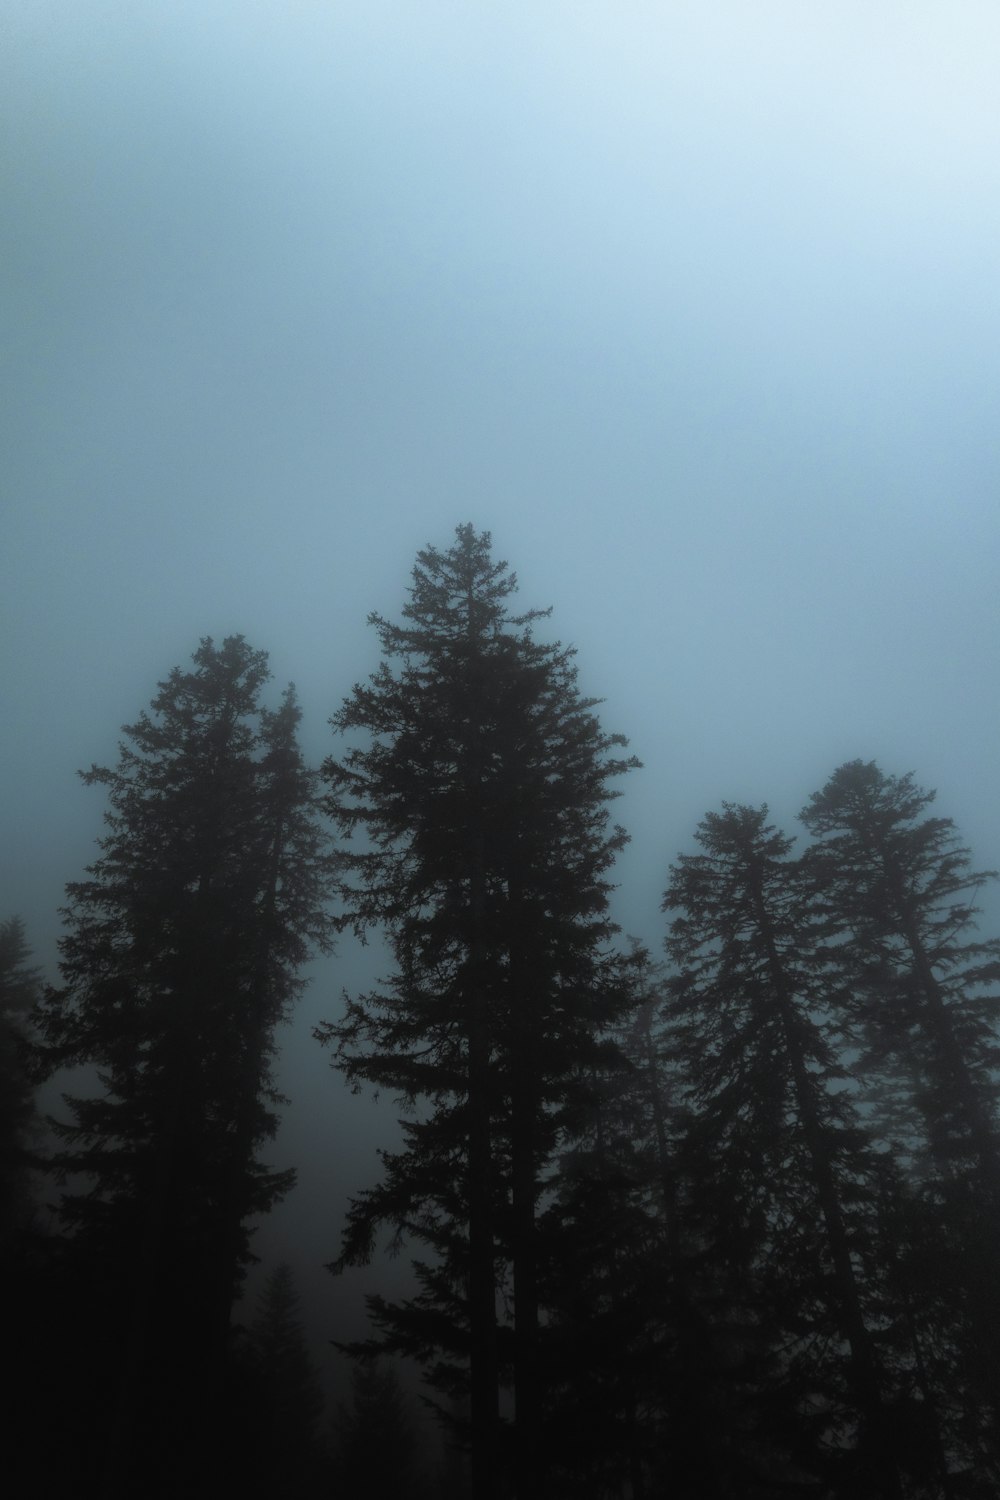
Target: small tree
281	1415
375	1450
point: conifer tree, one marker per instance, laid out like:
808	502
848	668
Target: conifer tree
921	991
281	1418
787	1168
926	989
481	789
180	958
375	1450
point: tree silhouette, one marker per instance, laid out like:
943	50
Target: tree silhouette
375	1451
921	990
788	1167
481	791
282	1410
181	956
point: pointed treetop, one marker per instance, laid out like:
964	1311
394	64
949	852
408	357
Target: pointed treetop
859	791
460	593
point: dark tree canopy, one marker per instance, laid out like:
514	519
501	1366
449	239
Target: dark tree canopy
926	990
834	1019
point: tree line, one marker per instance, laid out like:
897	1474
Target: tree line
724	1224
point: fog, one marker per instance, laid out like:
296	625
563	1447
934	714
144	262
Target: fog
694	306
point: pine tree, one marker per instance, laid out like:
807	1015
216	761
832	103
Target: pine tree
903	888
180	958
482	792
921	990
375	1448
787	1166
281	1412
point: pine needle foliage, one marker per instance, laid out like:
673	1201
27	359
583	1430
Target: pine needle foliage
181	956
478	799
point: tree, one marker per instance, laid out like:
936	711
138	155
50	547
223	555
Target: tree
181	957
19	986
899	894
482	791
281	1410
788	1166
901	887
375	1448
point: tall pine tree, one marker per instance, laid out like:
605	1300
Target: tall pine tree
181	956
901	887
787	1168
481	791
921	991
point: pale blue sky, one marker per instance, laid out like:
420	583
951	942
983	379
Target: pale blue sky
694	305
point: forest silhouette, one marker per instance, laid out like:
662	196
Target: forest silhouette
721	1224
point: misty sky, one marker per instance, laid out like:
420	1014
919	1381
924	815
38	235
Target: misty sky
693	305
